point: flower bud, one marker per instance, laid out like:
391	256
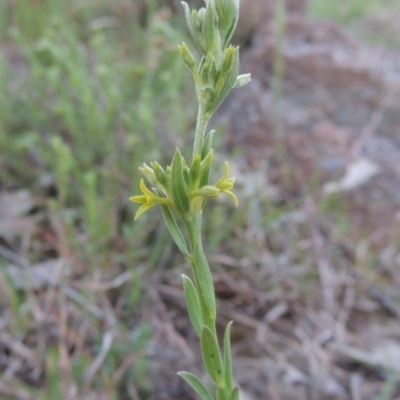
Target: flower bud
229	20
220	6
149	174
225	83
178	184
208	192
208	71
195	171
194	21
187	57
160	174
210	31
242	80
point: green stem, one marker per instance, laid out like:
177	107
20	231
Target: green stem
194	230
222	394
201	126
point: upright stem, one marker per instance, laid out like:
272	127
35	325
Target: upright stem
194	230
201	126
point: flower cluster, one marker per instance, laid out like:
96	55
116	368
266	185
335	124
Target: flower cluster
212	28
181	188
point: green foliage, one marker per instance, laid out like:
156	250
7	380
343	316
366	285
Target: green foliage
88	94
196	385
349	10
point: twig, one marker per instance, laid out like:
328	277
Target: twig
99	360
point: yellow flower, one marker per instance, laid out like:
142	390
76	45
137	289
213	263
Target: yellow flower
225	184
148	199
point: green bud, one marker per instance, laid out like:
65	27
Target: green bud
210	27
220	6
188	16
230	80
208	70
195	171
149	174
204	69
198	22
194	21
207	192
178	185
187	57
199	18
226	65
160	174
229	20
207	96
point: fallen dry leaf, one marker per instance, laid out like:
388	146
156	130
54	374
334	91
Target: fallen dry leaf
15	204
13	207
357	173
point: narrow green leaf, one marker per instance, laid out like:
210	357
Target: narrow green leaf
206	156
212	357
230	20
234	394
228	357
174	230
204	278
178	186
207	144
196	385
193	305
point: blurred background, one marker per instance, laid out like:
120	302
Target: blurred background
308	265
